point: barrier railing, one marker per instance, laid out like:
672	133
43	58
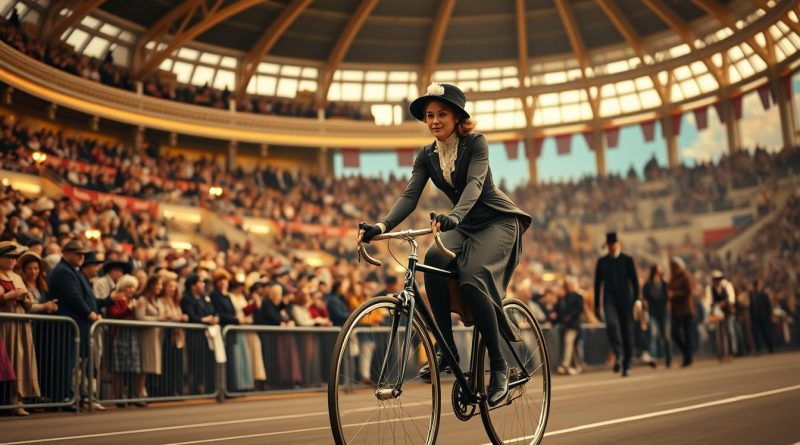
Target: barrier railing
139	361
39	361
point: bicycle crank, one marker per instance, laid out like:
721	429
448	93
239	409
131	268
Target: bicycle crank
461	407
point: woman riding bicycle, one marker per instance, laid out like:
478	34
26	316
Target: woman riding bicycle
484	228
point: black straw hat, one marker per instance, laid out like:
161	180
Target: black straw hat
443	92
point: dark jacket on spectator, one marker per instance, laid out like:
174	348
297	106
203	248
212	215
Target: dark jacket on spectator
224	307
655	292
760	307
75	298
616	278
268	314
197	308
570	308
681	301
337	309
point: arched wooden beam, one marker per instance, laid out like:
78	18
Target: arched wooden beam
724	16
264	45
58	24
434	48
210	18
342	45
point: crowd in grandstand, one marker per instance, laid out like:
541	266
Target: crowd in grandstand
62	56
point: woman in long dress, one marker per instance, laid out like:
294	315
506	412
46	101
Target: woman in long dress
174	341
150	309
126	358
17	335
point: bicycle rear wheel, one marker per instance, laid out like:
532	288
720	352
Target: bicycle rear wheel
357	414
522	418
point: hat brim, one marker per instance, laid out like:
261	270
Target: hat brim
126	267
417	107
13	250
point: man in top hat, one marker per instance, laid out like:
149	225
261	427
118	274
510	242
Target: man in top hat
720	305
616	287
75	300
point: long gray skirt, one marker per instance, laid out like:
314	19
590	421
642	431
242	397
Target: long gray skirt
486	256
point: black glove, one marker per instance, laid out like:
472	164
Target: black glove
370	231
446	222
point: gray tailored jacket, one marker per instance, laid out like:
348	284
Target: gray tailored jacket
472	189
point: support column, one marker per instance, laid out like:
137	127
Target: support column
323	161
668	130
600	152
785	109
533	161
138	138
230	160
732	130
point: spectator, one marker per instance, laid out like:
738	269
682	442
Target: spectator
174	339
240	366
720	304
336	304
569	309
761	315
17	335
75	300
655	293
150	309
124	340
682	308
198	307
111	273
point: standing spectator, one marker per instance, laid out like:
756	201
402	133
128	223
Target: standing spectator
761	316
720	301
17	335
124	340
76	300
616	287
570	308
682	307
174	339
240	367
655	293
254	345
32	268
285	371
198	307
150	309
366	344
336	304
111	273
743	317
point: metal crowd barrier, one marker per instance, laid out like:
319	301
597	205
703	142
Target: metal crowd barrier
274	359
44	359
138	362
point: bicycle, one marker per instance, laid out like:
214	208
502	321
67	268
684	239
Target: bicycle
397	407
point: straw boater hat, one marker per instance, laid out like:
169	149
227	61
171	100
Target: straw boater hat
76	246
11	248
443	92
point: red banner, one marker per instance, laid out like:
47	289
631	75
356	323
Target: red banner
677	119
649	130
512	149
351	157
720	112
537	147
563	143
612	137
405	157
124	202
763	94
736	103
588	136
701	117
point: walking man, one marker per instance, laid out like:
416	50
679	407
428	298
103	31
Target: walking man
616	287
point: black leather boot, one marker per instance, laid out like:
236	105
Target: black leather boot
498	386
425	371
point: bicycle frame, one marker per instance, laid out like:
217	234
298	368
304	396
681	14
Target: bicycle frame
411	301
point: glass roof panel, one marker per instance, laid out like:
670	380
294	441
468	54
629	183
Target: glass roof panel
649	99
209	58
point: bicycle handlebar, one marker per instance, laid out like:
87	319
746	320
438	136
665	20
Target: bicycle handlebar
406	235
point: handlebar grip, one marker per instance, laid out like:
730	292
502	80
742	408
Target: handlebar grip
438	238
362	252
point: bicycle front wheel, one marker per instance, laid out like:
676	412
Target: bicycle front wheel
363	410
522	418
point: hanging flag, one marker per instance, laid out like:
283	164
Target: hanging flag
720	111
512	149
736	103
701	117
787	87
763	94
612	137
563	143
589	137
677	119
537	147
405	157
649	130
351	157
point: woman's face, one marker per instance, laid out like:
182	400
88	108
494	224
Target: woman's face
158	287
441	119
31	271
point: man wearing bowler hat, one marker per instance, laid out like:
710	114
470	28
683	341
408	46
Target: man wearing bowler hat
616	288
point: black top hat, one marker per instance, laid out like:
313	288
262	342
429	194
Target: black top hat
611	237
124	265
444	92
90	259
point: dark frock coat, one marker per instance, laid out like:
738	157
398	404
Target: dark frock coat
488	239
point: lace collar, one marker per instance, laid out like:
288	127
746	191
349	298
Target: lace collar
448	151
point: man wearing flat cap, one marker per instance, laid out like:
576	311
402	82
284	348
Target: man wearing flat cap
616	288
75	300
